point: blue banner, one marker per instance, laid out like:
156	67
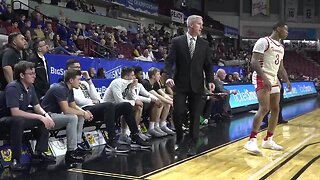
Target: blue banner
247	96
57	66
246	92
230	31
300	89
301	34
143	6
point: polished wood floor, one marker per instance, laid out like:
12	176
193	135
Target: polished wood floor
300	159
220	154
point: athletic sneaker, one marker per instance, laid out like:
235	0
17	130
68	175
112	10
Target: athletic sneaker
124	139
143	137
138	142
154	133
147	134
167	130
252	146
116	148
160	131
270	144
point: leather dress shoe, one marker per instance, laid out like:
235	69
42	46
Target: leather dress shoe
192	150
282	122
83	148
73	156
16	166
41	156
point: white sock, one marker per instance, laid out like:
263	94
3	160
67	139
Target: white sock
163	123
156	125
151	125
128	131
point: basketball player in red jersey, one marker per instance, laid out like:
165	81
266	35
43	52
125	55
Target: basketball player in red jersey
267	63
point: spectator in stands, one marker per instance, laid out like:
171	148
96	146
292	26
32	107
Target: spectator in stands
28	38
19	117
92	73
136	40
101	74
3	8
159	127
34	13
113	52
27	27
55	2
81	31
92	9
63	32
72	45
132	29
145	56
11	56
219	88
59	101
42	82
116	93
111	37
229	79
137	51
123	37
38	31
101	49
48	31
71	4
14	27
58	48
37	20
21	21
236	78
150	53
8	15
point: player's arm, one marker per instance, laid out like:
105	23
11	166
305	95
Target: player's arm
284	76
255	65
283	73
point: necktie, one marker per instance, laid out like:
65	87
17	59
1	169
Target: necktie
191	46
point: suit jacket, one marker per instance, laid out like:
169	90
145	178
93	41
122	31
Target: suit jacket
188	73
219	86
41	83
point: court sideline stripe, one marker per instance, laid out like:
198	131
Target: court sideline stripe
101	173
170	165
254	176
210	150
302	170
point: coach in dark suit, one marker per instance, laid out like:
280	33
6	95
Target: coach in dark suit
41	83
191	56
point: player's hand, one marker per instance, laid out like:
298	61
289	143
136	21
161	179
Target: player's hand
85	74
235	91
170	82
211	87
88	115
139	103
289	86
48	122
158	103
